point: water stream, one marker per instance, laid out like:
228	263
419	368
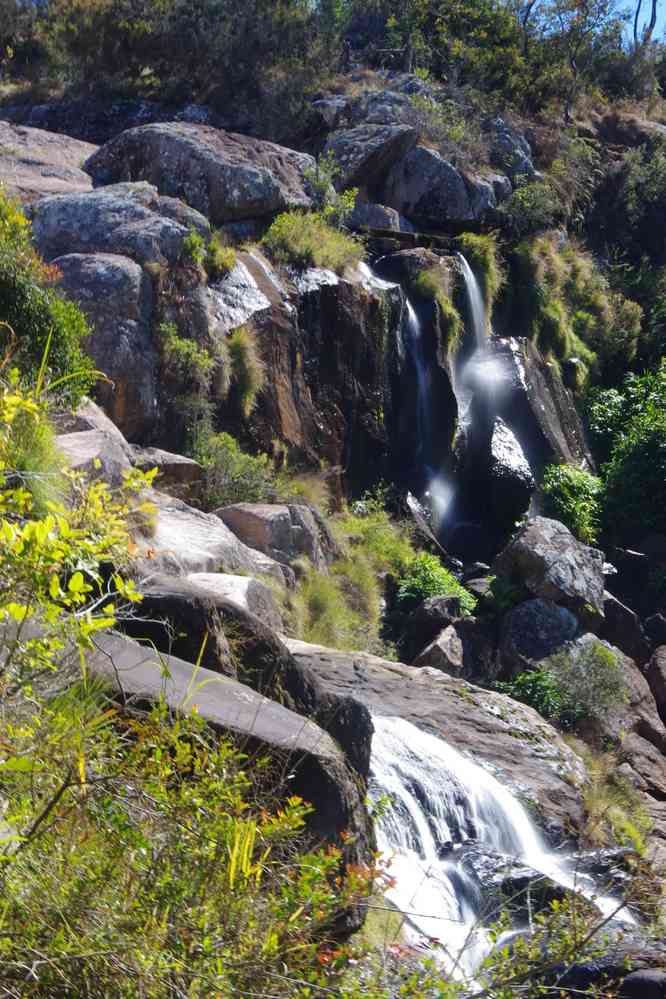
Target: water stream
434	800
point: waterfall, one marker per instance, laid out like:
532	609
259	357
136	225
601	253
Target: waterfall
413	338
432	800
477	306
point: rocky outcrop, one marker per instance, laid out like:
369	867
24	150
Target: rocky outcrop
533	631
226	177
95	455
285	532
116	295
622	627
427	188
176	472
313	766
365	154
35	163
510	151
251	595
425	623
183	540
444	653
127	219
656	678
374	216
545	557
525	752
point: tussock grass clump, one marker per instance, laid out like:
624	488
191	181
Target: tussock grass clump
307	240
247	368
220	258
573	496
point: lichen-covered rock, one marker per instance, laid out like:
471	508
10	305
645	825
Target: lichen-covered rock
184	540
126	219
116	296
426	187
366	153
285	532
532	631
511	151
366	213
35	163
545	557
225	176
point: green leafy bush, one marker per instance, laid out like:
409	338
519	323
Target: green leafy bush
194	249
247	369
36	321
307	240
426	577
580	684
532	208
573	496
369	528
230	474
186	358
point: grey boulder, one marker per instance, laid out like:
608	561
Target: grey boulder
426	187
533	631
545	557
225	176
366	153
35	163
95	455
250	594
284	532
127	219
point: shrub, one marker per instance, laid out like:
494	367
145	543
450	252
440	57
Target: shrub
583	683
29	458
220	259
573	496
426	577
232	475
35	320
247	368
532	208
482	254
185	358
306	240
368	528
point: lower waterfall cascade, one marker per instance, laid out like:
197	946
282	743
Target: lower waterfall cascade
432	801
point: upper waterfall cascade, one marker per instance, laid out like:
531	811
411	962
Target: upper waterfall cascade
434	800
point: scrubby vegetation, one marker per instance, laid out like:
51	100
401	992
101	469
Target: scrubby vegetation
307	240
570	311
572	496
482	254
37	323
580	684
247	368
433	285
424	577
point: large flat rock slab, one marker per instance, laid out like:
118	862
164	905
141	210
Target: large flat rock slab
511	739
35	163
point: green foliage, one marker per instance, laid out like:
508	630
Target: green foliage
232	475
220	259
426	577
482	254
570	311
194	249
323	614
247	368
335	207
432	285
581	684
185	358
307	240
629	429
369	529
35	320
532	208
30	458
573	496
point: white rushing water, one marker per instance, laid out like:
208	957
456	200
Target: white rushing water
477	306
433	799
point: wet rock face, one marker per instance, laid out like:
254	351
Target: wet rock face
227	177
525	751
545	557
35	163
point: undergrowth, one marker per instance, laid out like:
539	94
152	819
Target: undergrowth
307	240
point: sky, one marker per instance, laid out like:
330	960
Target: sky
661	18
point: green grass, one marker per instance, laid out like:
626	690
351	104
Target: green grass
482	254
247	368
432	285
307	240
220	258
